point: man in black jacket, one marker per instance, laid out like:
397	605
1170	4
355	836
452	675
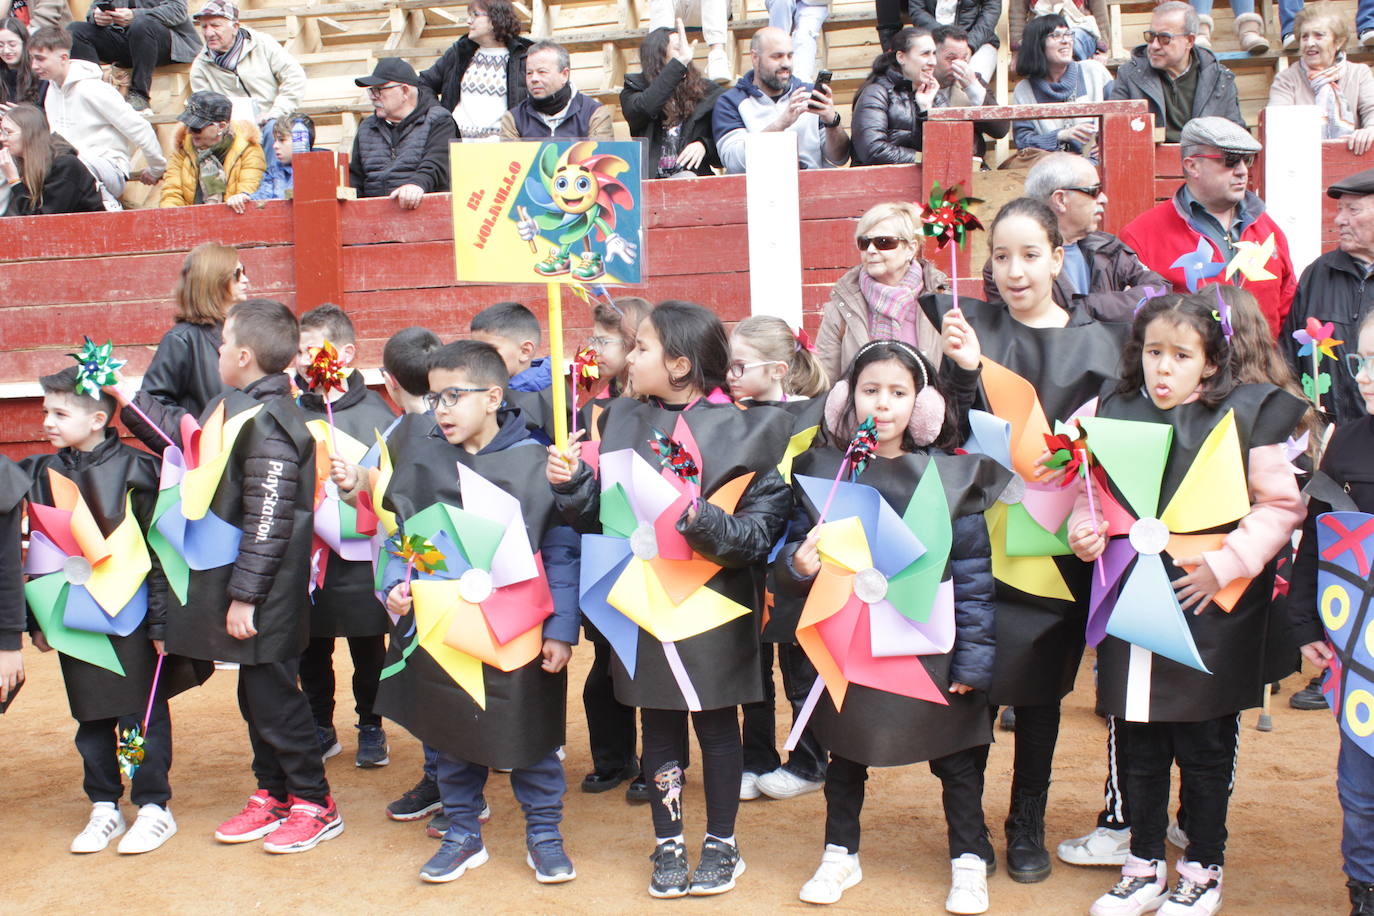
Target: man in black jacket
401	150
495	83
137	34
1101	272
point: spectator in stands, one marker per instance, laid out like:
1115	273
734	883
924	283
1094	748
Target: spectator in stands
277	180
482	75
215	161
1249	25
960	87
713	16
1213	204
803	19
138	35
36	14
401	150
17	82
1364	22
1090	26
770	98
41	169
239	61
669	106
92	116
554	107
978	18
1342	89
1051	75
1178	79
185	367
1336	288
878	298
1100	271
890	107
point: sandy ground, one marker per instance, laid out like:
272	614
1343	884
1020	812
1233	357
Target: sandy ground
1283	856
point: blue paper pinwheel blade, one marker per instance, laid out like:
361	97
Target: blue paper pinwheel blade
1144	617
603	560
82	612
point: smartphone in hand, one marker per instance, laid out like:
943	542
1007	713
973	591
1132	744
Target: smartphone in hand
818	99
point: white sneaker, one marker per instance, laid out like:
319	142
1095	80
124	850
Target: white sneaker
718	66
838	872
1104	846
1176	835
749	787
153	827
1142	889
1367	38
968	884
783	783
106	823
1197	893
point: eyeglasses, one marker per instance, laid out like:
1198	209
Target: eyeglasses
1151	36
449	397
376	91
880	242
1092	191
604	343
1060	35
1357	364
1230	160
738	368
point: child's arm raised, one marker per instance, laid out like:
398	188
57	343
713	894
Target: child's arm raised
975	640
271	475
746	537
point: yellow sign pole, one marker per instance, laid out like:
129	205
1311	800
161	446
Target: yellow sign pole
560	385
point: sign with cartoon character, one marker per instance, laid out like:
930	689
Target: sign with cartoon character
557	211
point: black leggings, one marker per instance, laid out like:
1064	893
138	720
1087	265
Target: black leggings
722	765
1037	732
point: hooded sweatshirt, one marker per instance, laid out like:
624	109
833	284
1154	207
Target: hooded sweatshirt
93	117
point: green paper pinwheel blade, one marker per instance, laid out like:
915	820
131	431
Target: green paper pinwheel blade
478	537
430	520
348	523
174	567
617	518
1133	454
47	596
1025	537
912	591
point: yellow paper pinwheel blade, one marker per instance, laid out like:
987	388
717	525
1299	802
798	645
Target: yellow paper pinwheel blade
1214	491
798	444
1032	575
843	542
435	602
381	479
114	582
641	597
345	446
216	443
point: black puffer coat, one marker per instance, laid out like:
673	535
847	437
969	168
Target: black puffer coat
445	78
887	121
185	369
13	483
1333	288
977	17
642	103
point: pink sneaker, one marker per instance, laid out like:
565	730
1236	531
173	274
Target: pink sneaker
1142	889
308	825
259	817
1197	893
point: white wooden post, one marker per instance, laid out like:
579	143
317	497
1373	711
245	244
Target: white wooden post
1293	187
773	206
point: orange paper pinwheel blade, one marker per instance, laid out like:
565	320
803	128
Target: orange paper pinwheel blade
829	594
469	632
728	496
1014	399
827	668
1195	545
680	578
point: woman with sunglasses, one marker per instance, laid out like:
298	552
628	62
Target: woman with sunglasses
1051	75
185	367
878	298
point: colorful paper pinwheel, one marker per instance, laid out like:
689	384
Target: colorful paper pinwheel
325	374
674	457
586	376
1068	452
185	534
96	367
1137	602
640	572
948	217
485	598
1197	265
87	586
856	457
340	529
1251	258
1318	340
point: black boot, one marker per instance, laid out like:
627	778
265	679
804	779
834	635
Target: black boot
885	35
1361	898
1027	859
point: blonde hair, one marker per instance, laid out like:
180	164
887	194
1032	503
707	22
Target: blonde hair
1324	11
1254	358
203	292
774	340
626	315
905	214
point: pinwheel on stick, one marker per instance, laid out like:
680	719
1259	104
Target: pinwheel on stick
1318	340
130	748
97	369
325	374
948	217
856	457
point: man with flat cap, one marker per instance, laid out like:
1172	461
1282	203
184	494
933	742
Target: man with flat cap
1212	213
401	149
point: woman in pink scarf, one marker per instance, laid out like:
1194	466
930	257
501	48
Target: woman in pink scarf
877	299
1342	89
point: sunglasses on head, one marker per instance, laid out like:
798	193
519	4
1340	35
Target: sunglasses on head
1230	160
880	242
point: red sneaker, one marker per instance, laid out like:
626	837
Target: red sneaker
306	827
259	817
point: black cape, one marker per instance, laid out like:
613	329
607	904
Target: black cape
105	476
1239	647
526	709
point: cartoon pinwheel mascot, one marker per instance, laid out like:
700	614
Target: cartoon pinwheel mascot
576	195
878	620
490	572
1031	378
1176	488
681	617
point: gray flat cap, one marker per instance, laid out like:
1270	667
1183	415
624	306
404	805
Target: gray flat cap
1222	133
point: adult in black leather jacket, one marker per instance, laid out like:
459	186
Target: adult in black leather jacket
890	108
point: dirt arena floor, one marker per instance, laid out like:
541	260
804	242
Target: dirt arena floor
1283	856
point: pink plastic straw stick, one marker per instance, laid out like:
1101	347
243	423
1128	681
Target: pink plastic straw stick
844	463
1092	508
152	694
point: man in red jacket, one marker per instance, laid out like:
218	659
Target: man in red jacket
1213	218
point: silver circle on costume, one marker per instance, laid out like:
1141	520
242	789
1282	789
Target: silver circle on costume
870	586
474	586
1013	492
644	542
77	570
1149	536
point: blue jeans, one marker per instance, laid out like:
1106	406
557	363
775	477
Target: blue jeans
1239	7
1355	787
431	763
1288	11
538	788
1084	44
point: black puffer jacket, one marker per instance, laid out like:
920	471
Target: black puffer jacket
977	17
185	369
412	151
1333	288
13	484
642	103
887	121
1115	273
445	78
